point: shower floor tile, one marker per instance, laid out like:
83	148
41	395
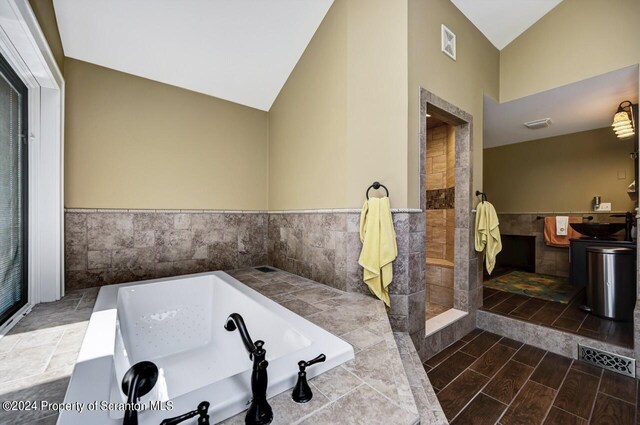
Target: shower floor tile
564	317
434	309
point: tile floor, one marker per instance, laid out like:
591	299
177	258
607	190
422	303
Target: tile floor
38	354
434	309
564	317
485	379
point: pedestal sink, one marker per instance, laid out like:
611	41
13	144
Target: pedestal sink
597	230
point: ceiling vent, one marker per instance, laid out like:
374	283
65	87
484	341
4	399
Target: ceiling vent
536	124
448	42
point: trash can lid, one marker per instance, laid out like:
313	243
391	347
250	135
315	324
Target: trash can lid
611	250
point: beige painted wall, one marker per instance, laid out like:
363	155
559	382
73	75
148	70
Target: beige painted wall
377	99
45	14
560	173
340	121
462	82
578	39
308	123
135	143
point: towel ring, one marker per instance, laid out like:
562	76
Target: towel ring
482	195
377	185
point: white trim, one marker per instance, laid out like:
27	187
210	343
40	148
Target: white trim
443	320
24	46
6	327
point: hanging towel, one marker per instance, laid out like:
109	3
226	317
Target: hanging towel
487	233
551	236
379	247
562	224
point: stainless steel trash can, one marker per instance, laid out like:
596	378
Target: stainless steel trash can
611	287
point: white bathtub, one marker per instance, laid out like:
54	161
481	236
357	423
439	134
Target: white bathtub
178	324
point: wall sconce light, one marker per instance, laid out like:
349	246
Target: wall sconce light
623	123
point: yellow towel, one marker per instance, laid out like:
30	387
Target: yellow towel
488	233
379	247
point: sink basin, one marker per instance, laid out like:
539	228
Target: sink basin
598	230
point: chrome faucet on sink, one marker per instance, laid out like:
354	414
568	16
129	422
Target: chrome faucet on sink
260	412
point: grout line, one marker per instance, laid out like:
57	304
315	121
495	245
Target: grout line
561	385
319	390
327	404
533	369
566	411
467	368
484	386
438	364
595	398
614	397
491	379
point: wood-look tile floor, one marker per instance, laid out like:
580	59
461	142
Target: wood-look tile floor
484	379
565	317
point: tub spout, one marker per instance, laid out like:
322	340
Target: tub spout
260	412
235	321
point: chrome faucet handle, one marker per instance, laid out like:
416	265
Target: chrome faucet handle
302	392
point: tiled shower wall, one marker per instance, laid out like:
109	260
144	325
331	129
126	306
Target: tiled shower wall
114	246
440	196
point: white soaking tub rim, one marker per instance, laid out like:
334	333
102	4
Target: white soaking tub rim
94	373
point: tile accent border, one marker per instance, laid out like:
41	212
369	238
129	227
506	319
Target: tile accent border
196	211
440	199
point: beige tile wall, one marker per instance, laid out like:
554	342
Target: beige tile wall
440	164
440	284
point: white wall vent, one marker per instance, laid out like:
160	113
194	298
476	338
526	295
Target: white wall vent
448	41
535	124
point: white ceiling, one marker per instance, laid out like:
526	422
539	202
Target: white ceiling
238	50
581	106
501	21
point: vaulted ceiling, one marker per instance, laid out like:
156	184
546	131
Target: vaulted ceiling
241	51
580	106
501	21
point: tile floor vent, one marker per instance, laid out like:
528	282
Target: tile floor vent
610	361
265	269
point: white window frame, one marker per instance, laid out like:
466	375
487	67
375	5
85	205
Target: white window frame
24	46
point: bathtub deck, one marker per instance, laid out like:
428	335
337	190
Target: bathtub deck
38	354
